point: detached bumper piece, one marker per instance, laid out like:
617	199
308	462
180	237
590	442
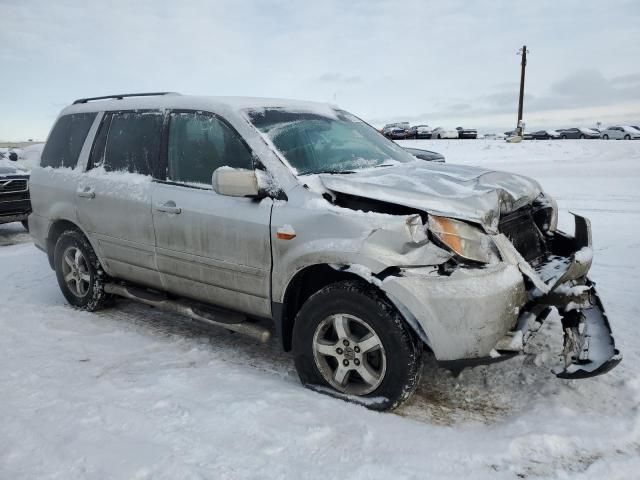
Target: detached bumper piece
589	347
560	283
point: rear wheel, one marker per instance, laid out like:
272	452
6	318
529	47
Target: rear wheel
564	137
605	137
582	137
349	340
79	273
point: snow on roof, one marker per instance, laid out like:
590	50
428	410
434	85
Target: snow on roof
194	102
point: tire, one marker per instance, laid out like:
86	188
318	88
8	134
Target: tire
627	137
392	364
582	136
25	224
605	137
74	257
564	137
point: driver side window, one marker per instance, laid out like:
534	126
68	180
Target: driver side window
199	143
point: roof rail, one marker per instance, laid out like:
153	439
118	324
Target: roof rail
123	95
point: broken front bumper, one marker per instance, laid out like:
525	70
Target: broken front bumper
561	282
479	314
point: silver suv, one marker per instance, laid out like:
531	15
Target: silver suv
263	215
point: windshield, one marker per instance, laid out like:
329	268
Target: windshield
319	143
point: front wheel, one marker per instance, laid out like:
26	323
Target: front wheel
605	137
79	273
627	137
348	339
564	137
25	224
582	137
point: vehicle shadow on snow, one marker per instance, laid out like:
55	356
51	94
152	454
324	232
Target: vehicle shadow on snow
13	234
484	394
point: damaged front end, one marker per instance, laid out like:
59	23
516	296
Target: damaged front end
556	265
473	260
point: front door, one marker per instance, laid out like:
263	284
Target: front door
210	247
114	195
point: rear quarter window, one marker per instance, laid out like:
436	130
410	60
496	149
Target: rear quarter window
66	140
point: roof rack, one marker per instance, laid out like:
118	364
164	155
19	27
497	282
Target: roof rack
123	95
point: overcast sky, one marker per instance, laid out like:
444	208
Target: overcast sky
444	63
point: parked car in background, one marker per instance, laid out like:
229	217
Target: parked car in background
396	127
545	135
494	136
395	133
427	155
621	132
467	132
441	132
419	131
575	133
15	205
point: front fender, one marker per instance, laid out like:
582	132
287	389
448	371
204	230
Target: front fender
343	237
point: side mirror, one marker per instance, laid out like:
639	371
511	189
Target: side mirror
13	156
235	182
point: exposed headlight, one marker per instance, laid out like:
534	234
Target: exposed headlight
463	239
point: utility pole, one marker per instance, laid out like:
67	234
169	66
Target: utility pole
523	51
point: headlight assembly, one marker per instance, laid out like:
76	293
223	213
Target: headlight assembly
463	239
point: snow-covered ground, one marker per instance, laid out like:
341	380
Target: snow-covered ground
135	393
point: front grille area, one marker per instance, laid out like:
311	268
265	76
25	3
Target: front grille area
15	185
13	196
521	229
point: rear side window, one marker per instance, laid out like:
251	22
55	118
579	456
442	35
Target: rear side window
66	140
132	142
198	144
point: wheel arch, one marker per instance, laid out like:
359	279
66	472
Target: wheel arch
57	228
300	287
313	278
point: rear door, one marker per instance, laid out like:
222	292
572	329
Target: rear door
114	195
53	187
210	247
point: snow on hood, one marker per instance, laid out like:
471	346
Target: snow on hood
457	191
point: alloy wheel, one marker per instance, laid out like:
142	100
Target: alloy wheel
349	354
75	270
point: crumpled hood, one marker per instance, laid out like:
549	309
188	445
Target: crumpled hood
457	191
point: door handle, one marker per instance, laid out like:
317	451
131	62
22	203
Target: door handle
168	207
87	192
